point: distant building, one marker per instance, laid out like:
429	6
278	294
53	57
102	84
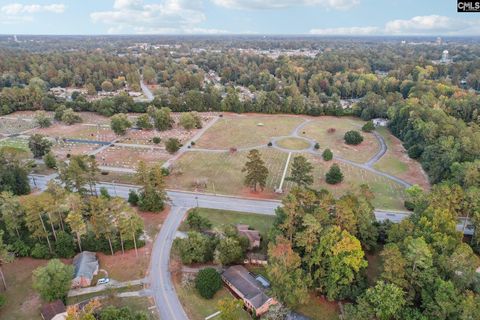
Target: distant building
256	258
86	267
380	122
246	287
54	311
253	236
445	58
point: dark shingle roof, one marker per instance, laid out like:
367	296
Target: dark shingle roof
244	282
49	311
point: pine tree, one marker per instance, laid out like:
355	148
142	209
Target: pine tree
301	173
334	175
256	170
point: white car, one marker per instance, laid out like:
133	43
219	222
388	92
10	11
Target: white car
103	281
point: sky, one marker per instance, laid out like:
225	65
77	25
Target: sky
317	17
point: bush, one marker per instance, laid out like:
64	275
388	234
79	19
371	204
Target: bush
327	155
50	160
353	137
156	140
104	193
270	144
317	146
39	145
119	123
196	222
133	197
173	145
334	175
3	300
192	143
70	117
42	119
368	127
21	249
165	172
40	251
208	282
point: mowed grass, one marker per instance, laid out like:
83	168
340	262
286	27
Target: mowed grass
17	143
397	162
247	130
388	194
319	309
222	218
222	171
198	308
293	143
318	131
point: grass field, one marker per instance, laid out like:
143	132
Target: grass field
222	172
293	143
18	143
78	131
318	131
319	309
397	162
198	308
388	194
247	130
222	218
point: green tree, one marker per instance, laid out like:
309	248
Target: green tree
152	195
393	266
229	251
162	118
70	117
256	171
75	218
143	122
123	313
196	247
173	145
327	155
39	145
208	282
289	281
301	172
107	86
229	308
49	160
5	257
64	245
120	123
11	213
196	222
368	127
353	137
53	281
187	121
334	175
42	119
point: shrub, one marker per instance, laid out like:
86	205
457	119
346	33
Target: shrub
70	117
196	222
165	172
187	121
104	193
327	155
50	160
192	143
208	282
353	137
42	119
156	140
143	122
133	197
40	251
120	123
173	145
3	300
270	144
334	175
368	127
104	173
21	249
317	146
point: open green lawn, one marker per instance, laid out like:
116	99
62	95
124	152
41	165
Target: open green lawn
318	130
293	143
18	143
222	218
222	172
319	309
388	194
247	130
197	308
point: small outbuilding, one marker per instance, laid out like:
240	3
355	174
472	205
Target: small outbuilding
86	267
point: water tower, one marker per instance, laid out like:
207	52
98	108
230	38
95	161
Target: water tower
445	56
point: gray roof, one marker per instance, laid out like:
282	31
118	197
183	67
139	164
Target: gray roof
86	264
244	282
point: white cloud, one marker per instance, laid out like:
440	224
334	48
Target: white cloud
168	16
419	25
18	8
15	13
277	4
347	31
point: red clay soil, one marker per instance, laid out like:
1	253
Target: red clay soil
265	194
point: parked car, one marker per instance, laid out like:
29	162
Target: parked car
103	281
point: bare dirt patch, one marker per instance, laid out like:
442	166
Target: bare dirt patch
62	150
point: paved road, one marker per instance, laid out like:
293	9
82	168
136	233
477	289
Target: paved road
146	91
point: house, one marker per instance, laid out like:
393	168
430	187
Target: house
54	311
86	267
253	236
256	258
244	285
